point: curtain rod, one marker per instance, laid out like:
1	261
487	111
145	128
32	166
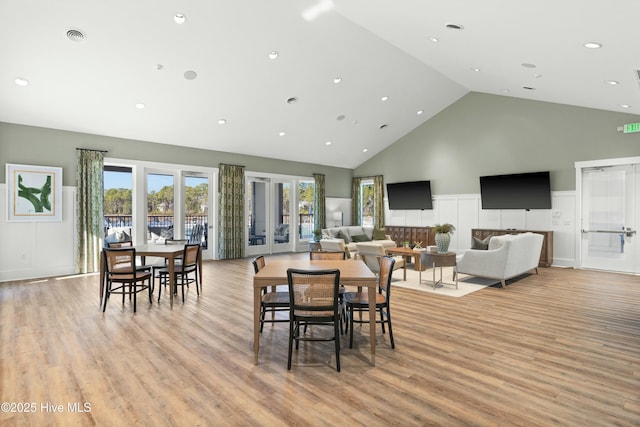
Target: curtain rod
91	149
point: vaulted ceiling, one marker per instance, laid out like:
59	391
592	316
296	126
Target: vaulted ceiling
322	81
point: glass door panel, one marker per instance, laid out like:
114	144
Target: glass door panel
608	241
160	207
257	196
196	210
282	215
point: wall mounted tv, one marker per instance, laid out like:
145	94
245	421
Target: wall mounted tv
409	195
516	191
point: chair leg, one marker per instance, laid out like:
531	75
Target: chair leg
132	288
350	327
382	320
150	290
336	337
393	346
291	331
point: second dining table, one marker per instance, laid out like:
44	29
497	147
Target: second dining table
352	273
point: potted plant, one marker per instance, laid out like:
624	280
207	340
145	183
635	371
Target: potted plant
317	234
443	236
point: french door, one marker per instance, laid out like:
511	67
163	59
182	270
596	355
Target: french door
270	227
610	213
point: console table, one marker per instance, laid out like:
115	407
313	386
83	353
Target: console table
546	255
401	234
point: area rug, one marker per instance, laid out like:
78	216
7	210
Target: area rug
466	284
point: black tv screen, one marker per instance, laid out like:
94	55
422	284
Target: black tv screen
516	191
409	195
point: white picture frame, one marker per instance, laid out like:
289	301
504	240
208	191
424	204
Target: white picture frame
34	193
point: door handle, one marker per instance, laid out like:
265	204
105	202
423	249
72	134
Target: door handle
604	231
629	232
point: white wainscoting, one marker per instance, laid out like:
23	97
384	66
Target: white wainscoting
465	212
31	250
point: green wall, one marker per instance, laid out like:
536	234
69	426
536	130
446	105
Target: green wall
48	147
488	135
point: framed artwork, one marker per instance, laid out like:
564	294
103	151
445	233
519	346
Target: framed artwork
34	193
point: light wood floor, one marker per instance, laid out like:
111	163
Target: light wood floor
558	349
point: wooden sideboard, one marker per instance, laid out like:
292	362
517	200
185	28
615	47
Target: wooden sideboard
401	234
546	255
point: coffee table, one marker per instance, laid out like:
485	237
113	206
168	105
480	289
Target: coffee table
408	253
435	259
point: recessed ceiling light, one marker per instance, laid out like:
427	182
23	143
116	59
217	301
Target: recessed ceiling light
420	112
158	67
505	90
625	105
355	122
76	35
327	143
384	98
222	121
340	117
21	82
528	88
455	27
337	80
477	70
434	39
365	150
140	106
273	54
592	45
179	18
292	100
528	65
612	82
282	134
383	126
190	75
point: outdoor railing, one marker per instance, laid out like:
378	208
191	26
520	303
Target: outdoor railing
196	226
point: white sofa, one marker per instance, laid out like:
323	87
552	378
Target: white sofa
353	234
507	256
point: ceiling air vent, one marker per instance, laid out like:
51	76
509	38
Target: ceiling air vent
75	35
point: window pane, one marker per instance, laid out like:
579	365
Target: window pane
117	200
160	207
282	223
196	210
306	192
366	192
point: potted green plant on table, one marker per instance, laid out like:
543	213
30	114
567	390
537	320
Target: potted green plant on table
443	236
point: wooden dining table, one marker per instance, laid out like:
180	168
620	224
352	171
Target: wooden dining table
168	252
352	273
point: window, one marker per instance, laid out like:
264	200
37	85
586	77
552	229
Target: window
306	195
366	202
117	199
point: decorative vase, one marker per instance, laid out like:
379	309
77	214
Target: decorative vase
442	242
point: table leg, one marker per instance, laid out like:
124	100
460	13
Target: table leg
102	276
372	322
172	280
256	323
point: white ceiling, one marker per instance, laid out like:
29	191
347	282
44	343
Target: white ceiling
378	47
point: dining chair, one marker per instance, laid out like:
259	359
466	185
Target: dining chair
320	255
272	300
122	277
155	268
182	270
372	253
359	301
335	255
129	244
313	299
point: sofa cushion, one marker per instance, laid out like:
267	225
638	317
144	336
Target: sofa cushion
379	234
344	236
357	238
481	244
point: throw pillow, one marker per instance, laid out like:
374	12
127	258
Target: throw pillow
379	234
357	238
481	244
343	236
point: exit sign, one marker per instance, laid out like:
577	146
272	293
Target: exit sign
631	128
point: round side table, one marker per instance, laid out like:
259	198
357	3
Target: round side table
435	259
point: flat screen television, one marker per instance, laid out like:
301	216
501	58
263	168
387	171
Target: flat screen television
516	191
409	195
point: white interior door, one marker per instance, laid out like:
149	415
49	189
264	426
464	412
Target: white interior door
609	217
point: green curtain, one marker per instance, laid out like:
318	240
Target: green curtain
356	203
319	203
231	212
378	201
89	210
